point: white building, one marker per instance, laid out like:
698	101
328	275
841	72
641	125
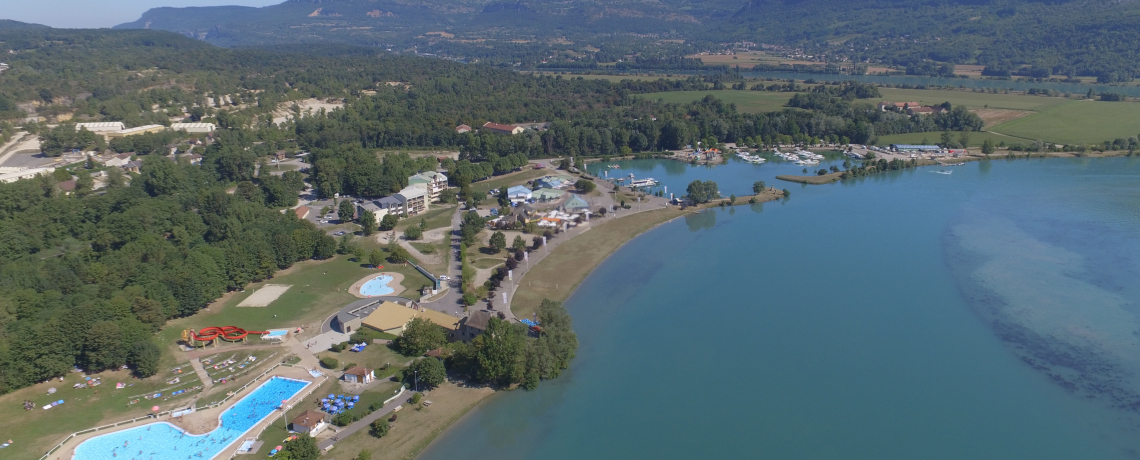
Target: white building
435	182
14	174
102	127
193	127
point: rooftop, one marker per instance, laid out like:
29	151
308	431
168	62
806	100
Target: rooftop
309	418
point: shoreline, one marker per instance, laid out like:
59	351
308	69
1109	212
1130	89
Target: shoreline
674	214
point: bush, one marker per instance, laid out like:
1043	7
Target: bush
429	372
380	427
329	362
584	186
339	347
413	232
416	398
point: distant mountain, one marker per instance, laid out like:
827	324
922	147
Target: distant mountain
1039	38
8	24
399	22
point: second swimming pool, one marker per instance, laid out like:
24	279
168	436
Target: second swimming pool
377	286
163	441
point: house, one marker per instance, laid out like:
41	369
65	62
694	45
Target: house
897	105
357	374
134	131
310	421
133	166
415	199
435	182
462	129
301	212
503	129
518	193
193	127
193	158
474	324
547	194
119	160
576	205
920	111
391	318
553	181
101	127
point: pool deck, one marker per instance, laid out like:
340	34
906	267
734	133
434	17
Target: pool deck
394	284
205	421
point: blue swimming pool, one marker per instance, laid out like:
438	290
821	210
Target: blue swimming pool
163	441
277	332
377	286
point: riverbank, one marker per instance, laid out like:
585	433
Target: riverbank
560	273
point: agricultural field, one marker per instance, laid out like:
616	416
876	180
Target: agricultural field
971	99
1077	122
746	101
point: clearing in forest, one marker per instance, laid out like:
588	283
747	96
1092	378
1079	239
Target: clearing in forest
264	296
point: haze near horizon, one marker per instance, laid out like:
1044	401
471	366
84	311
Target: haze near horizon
94	14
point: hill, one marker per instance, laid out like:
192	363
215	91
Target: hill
1033	38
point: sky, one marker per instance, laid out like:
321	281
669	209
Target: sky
99	13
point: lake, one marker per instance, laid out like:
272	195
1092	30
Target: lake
986	314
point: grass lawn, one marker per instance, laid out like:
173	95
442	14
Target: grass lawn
487	262
933	137
438	216
426	248
746	101
1077	122
509	180
384	359
414	428
36	431
560	273
319	289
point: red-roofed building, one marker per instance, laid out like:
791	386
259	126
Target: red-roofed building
301	211
462	129
503	129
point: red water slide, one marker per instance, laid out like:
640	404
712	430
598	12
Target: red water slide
231	333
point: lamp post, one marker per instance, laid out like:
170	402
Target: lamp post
417	374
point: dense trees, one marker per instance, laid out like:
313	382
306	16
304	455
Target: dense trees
425	374
504	355
123	262
702	191
419	336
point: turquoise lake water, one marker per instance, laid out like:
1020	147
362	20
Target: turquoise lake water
987	314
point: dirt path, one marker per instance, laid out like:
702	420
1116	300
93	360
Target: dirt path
207	382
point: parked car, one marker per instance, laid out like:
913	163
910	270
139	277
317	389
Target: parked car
444	277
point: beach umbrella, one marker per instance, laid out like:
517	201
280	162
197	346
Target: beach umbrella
278	447
331	396
154	409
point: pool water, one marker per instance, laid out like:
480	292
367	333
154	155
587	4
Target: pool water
377	286
163	441
277	332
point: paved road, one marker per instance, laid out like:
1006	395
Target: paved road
363	423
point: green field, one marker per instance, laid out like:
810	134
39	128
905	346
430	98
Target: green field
970	99
746	101
1077	122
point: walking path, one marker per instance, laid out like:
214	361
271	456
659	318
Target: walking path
207	382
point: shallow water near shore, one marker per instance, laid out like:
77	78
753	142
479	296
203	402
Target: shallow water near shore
987	314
